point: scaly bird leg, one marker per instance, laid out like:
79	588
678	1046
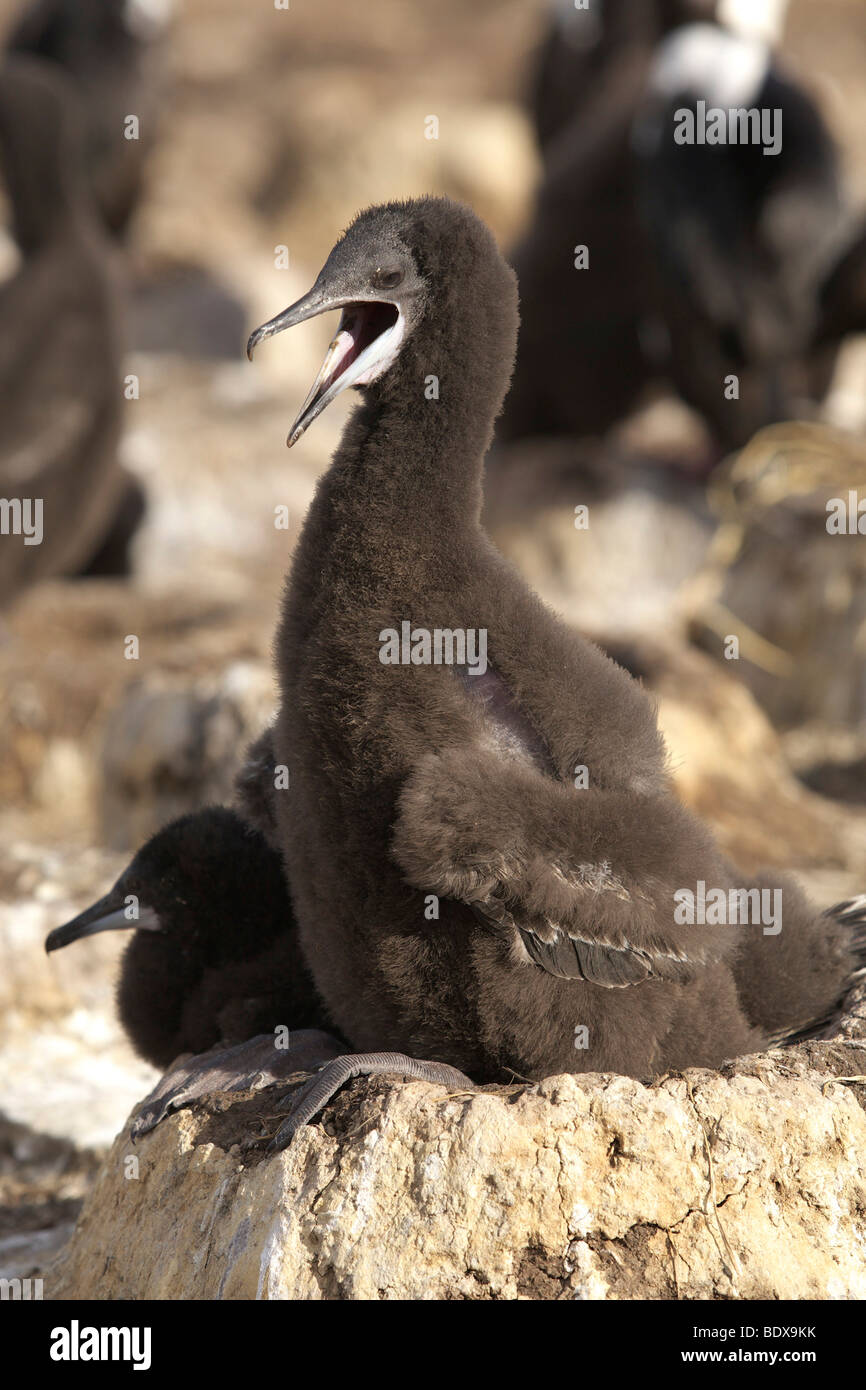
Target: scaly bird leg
306	1103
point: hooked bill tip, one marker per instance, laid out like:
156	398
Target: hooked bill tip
60	936
264	330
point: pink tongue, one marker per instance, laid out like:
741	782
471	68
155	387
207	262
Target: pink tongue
344	354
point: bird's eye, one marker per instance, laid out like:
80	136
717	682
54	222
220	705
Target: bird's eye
387	279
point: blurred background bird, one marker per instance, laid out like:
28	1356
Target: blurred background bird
730	272
655	513
110	52
60	367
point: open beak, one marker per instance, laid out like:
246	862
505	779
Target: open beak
102	916
366	343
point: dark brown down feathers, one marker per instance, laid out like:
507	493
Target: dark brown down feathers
213	956
461	895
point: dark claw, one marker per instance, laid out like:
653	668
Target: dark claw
311	1098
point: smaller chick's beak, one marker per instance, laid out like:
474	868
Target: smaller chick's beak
109	914
366	343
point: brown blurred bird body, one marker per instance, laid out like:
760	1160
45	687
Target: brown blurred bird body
61	392
108	51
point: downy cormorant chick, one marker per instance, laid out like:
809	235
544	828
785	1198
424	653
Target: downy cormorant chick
60	374
109	51
214	957
480	833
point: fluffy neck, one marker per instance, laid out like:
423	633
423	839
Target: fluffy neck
406	479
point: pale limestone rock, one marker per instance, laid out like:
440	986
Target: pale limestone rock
747	1183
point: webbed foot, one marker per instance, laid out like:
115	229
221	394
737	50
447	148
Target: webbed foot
246	1066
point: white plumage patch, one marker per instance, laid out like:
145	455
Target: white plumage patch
146	18
705	62
760	19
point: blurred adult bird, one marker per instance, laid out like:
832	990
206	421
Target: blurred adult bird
109	51
749	238
729	273
67	502
584	52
